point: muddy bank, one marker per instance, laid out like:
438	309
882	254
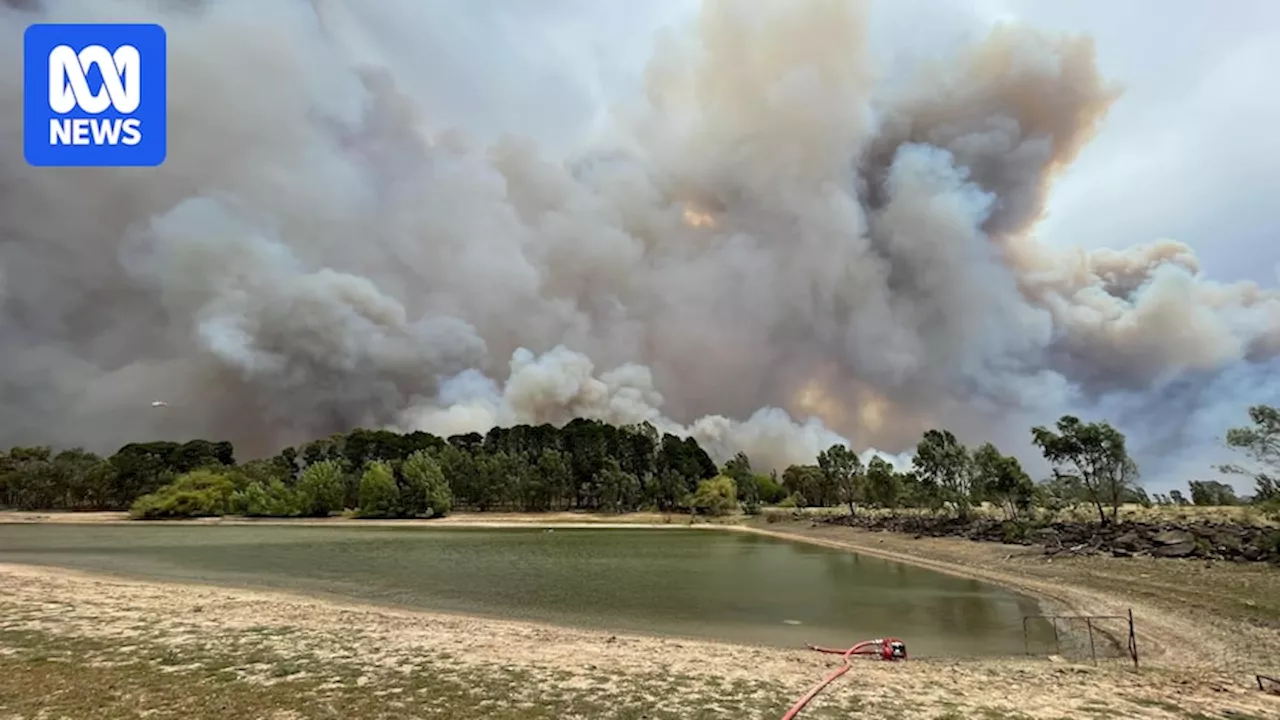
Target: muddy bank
1204	539
385	663
1206	605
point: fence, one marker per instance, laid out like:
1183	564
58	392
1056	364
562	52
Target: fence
1093	632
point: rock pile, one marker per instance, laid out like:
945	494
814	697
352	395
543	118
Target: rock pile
1209	540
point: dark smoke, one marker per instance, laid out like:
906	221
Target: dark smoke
776	251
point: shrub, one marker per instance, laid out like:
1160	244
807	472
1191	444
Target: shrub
199	493
424	490
715	497
771	493
794	500
271	498
379	495
321	489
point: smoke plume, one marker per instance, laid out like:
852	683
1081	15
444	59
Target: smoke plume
773	248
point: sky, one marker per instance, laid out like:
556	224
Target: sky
770	224
1187	152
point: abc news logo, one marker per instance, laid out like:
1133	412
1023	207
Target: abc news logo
94	95
69	89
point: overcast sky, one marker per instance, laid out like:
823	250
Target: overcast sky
1189	152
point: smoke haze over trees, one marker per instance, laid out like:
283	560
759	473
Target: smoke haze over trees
593	466
772	249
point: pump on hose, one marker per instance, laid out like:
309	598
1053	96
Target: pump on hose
893	649
890	649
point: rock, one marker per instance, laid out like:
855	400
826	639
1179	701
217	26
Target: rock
1174	537
1128	541
1204	540
1182	549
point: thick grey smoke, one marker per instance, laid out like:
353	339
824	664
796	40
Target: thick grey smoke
773	249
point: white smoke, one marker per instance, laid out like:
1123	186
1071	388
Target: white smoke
772	250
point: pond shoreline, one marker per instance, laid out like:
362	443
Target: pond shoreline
998	564
209	627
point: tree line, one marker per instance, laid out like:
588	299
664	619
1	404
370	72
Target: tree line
591	465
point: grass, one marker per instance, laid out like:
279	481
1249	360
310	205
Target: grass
47	675
1240	591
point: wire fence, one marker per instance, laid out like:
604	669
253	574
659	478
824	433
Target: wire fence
1106	637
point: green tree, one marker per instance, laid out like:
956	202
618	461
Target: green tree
717	496
553	469
462	473
200	453
1094	454
843	471
139	469
1000	479
806	485
30	478
1212	493
943	463
499	476
883	484
199	493
744	480
269	498
1261	444
618	490
769	489
424	491
322	486
86	479
379	496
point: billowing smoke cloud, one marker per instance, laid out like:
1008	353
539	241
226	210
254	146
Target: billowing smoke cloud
773	249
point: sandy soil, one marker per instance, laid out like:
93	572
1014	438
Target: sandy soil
377	649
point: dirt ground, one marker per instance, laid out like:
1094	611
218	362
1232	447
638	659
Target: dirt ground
77	645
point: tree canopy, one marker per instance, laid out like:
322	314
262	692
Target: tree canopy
591	465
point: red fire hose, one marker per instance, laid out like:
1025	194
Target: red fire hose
885	648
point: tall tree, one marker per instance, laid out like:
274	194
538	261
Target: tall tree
321	488
1001	480
423	490
739	468
1212	493
942	462
1261	444
1094	454
379	496
843	471
883	485
807	485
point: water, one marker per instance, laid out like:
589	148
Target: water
717	585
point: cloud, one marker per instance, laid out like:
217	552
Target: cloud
775	245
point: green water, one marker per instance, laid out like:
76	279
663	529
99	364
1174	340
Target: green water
718	585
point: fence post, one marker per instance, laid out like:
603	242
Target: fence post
1093	653
1133	640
